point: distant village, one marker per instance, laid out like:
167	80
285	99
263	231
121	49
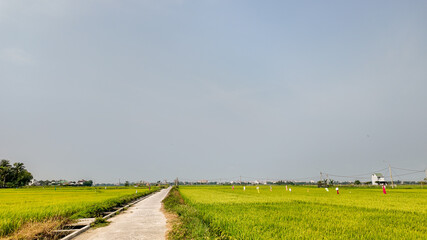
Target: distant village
376	179
89	183
81	182
331	183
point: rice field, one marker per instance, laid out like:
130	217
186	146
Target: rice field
19	206
309	212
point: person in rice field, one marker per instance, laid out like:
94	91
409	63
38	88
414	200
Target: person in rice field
257	188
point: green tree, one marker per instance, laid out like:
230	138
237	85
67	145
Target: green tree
5	172
21	176
44	183
127	184
88	183
13	175
357	182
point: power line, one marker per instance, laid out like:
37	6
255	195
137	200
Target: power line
406	174
357	175
362	176
408	169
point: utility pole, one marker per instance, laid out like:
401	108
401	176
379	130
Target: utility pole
321	180
391	177
425	179
240	180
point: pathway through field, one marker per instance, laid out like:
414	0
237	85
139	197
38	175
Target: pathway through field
143	220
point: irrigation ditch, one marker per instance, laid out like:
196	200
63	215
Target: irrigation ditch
77	227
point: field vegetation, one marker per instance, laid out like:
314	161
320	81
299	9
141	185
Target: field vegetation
303	213
189	224
28	206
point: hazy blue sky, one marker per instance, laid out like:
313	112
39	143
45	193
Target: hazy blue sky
150	90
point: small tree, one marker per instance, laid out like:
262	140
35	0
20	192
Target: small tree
5	172
357	182
88	183
127	184
44	183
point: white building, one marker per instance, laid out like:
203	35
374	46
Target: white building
378	178
34	182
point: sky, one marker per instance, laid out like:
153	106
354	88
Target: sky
153	90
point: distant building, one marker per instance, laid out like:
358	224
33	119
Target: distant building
378	178
80	182
203	181
34	182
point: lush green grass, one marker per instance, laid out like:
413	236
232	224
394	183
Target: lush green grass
310	213
190	225
18	206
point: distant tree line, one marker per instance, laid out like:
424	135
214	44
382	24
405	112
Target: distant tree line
281	182
13	175
86	183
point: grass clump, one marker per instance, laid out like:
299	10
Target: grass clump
100	222
189	225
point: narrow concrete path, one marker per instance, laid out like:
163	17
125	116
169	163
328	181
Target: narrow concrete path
143	220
